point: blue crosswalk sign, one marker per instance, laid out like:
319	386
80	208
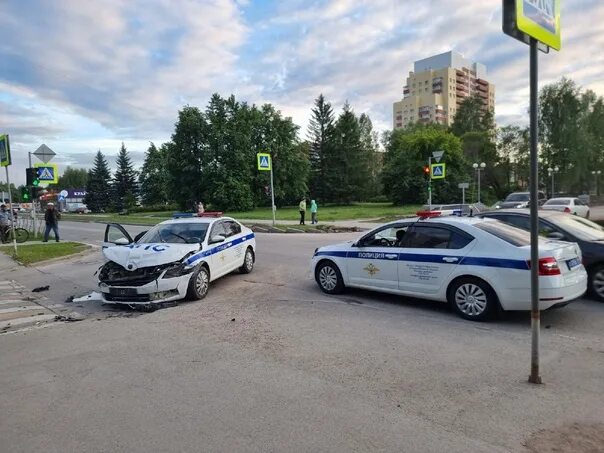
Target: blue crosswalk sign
437	171
264	161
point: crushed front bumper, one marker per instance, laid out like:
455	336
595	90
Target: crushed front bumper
156	292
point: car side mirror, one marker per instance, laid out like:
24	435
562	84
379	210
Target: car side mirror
121	241
556	235
217	238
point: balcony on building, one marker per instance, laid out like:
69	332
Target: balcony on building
482	82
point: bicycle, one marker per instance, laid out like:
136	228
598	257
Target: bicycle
20	234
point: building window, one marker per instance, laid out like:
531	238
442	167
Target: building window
398	117
426	82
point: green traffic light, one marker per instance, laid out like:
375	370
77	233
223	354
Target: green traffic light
35	182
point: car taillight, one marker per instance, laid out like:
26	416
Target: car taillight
548	266
567	210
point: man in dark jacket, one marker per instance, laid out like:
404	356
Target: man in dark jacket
51	217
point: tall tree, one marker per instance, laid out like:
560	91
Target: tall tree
407	152
153	176
472	116
370	145
98	185
125	181
73	178
321	135
184	157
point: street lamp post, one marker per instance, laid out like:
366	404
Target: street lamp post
552	171
596	177
478	168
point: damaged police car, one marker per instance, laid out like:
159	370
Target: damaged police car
175	259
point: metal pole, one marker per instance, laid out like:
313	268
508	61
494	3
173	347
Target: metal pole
463	195
10	202
33	202
430	183
272	194
553	184
478	184
534	378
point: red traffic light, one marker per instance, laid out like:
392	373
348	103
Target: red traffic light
427	170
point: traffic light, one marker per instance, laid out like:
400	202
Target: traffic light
32	178
25	195
427	170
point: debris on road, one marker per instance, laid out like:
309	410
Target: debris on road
71	317
39	289
69	300
93	296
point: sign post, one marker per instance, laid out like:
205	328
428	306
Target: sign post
537	23
463	186
265	163
5	161
440	173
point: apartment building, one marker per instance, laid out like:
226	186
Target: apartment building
437	86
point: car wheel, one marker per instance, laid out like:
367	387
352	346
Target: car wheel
473	299
596	282
329	278
248	262
199	284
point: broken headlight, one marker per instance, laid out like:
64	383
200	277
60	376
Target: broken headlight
177	270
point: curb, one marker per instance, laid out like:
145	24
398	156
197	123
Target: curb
91	248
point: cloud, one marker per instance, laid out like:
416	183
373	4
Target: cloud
80	76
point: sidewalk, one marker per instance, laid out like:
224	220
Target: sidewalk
19	308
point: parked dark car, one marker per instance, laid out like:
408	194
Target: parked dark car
519	200
566	227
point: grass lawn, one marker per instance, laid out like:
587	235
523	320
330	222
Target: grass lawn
355	211
34	253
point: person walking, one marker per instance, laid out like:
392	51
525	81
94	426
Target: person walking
302	208
51	217
313	212
4	223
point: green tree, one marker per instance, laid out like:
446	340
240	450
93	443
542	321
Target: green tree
321	135
153	176
407	153
125	181
73	178
98	185
370	146
472	116
184	157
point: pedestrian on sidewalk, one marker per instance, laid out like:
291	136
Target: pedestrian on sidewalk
313	212
200	209
302	208
51	217
4	222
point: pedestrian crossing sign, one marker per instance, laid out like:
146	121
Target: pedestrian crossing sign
437	171
264	162
47	173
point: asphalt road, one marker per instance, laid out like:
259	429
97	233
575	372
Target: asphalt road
268	363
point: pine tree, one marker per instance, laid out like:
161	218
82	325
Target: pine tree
153	176
321	134
98	186
125	186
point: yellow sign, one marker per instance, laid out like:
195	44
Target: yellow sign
264	161
437	171
371	269
540	19
47	173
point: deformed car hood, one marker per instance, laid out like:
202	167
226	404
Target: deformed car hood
134	256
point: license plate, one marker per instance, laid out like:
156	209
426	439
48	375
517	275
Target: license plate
573	263
122	291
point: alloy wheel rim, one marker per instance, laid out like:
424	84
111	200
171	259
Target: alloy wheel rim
328	278
201	282
249	261
471	299
598	283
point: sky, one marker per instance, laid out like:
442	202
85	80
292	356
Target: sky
86	75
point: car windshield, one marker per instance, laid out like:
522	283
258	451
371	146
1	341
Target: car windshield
557	202
579	227
517	197
509	234
176	233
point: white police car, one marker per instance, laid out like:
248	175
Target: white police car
474	264
175	259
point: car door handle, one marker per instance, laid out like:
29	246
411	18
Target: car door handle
450	259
